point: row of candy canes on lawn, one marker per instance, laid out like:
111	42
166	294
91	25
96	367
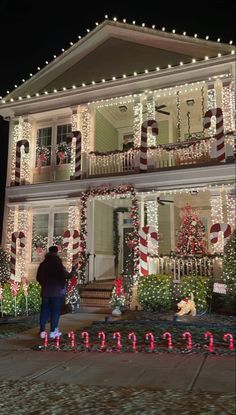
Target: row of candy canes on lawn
77	135
215	230
146	233
219	136
19	143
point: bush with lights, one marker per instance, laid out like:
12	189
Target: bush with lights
155	292
201	287
229	269
10	306
4	266
118	295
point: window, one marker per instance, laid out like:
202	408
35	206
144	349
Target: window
63	131
39	236
44	145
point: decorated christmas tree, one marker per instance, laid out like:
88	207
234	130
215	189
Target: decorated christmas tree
117	296
192	234
229	267
4	266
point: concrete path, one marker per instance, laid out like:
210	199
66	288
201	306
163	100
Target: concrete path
177	372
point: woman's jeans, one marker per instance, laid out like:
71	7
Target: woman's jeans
50	308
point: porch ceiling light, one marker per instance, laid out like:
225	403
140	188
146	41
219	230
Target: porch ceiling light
190	102
123	108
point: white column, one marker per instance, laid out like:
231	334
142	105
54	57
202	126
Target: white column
91	237
217	217
230	207
23	254
137	121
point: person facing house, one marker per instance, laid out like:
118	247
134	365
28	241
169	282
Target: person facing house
51	275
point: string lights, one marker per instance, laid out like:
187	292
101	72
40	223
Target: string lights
137	121
217	217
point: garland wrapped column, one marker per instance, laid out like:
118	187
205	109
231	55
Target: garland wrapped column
21	162
217	217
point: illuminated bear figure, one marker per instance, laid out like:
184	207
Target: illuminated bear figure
187	306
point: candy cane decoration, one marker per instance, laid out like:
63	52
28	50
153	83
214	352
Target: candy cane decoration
86	336
116	335
46	340
220	139
14	237
188	335
132	336
20	143
210	335
75	247
102	336
231	340
58	342
143	246
71	336
169	338
78	137
151	337
143	149
219	227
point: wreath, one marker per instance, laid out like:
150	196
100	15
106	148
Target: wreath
42	152
40	243
63	148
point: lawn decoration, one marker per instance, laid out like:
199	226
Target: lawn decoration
187	306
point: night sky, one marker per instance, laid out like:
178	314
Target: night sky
32	32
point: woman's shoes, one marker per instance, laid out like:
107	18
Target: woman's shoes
54	334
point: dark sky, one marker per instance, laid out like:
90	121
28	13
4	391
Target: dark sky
33	31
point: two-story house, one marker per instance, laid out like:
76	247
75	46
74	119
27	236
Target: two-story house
79	160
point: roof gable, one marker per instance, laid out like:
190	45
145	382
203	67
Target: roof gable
115	48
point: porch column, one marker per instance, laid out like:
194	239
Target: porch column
230	207
21	131
152	220
217	217
73	223
91	238
137	120
23	254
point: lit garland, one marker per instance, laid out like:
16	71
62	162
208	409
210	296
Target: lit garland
203	90
151	140
137	121
105	192
178	115
232	100
21	131
217	217
85	127
211	103
11	226
227	107
23	256
230	203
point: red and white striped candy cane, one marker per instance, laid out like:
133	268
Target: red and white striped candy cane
219	227
220	138
20	143
143	148
77	135
14	237
143	246
75	247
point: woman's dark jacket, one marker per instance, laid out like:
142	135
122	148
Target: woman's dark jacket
51	275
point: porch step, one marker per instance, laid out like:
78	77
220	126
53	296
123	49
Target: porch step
95	297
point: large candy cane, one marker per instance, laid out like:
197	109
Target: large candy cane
143	148
220	227
220	139
77	135
75	247
20	143
14	237
143	246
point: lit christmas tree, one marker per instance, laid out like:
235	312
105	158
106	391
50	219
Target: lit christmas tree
229	267
192	234
4	266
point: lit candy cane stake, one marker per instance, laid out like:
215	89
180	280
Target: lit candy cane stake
132	336
143	246
231	340
26	293
20	143
169	338
143	149
14	237
219	227
46	340
220	139
71	336
117	335
102	336
86	336
210	335
189	337
151	337
58	343
14	287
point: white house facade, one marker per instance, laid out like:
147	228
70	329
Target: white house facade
79	161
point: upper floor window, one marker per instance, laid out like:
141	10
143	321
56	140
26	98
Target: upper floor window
44	146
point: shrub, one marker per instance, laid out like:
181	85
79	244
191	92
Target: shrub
201	287
229	269
155	292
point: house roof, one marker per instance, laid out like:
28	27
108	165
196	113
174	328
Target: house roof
113	49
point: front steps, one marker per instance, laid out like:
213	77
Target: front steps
95	297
